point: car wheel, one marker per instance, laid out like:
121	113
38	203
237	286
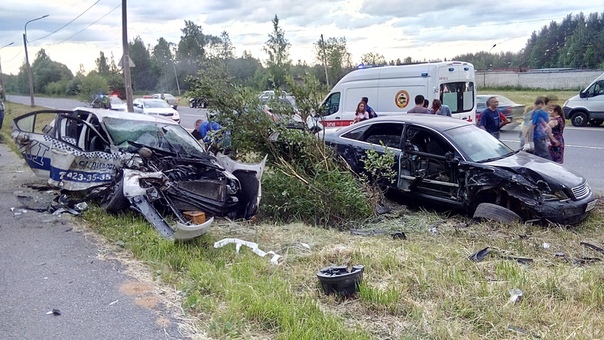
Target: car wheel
494	212
579	119
114	200
191	105
596	122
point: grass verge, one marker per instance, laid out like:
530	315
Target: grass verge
422	287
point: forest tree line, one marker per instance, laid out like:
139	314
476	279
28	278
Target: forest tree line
575	42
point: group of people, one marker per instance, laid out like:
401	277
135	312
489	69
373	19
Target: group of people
542	129
364	111
422	105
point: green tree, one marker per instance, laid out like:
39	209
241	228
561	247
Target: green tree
143	76
163	62
46	71
278	63
102	67
92	84
334	52
374	59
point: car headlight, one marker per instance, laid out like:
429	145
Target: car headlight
555	196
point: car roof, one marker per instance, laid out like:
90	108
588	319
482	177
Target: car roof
102	114
436	122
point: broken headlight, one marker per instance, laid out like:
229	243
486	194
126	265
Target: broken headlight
558	195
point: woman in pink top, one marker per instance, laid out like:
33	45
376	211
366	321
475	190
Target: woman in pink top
361	113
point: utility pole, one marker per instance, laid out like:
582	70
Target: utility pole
29	74
324	60
1	80
126	58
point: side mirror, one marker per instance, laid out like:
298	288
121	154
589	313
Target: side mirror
583	94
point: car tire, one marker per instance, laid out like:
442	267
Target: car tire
494	212
191	105
579	119
596	122
114	200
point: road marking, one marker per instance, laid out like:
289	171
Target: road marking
565	145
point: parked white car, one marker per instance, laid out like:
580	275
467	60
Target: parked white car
168	98
155	107
117	104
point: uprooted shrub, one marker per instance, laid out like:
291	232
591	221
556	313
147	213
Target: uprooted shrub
304	179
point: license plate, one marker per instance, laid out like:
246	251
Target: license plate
590	205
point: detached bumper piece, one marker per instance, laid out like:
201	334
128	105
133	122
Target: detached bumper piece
182	230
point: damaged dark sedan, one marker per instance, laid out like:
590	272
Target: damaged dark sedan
148	163
446	161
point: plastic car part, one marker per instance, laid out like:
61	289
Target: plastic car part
591	246
338	280
494	212
480	255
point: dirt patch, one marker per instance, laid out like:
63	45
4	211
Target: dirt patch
135	288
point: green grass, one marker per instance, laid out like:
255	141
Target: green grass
420	288
423	287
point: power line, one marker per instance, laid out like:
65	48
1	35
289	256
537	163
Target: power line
13	58
85	28
74	19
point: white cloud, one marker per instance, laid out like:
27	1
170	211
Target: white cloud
395	28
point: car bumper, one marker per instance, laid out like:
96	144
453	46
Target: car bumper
566	212
566	111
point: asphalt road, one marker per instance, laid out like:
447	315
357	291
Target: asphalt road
584	150
51	262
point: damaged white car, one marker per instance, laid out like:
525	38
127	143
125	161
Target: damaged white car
150	164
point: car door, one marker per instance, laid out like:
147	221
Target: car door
376	136
428	166
67	147
138	106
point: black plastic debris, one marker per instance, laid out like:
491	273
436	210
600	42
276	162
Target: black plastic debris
399	235
338	280
593	247
480	255
586	260
521	260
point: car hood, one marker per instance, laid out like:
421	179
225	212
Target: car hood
537	168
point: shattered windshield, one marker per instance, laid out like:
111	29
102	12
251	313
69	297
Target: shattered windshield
477	144
166	137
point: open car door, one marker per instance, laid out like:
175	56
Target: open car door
67	147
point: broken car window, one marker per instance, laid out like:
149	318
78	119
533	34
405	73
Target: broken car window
166	137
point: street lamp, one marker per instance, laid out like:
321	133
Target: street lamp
1	80
31	80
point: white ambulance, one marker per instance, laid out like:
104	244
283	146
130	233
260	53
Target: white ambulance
392	90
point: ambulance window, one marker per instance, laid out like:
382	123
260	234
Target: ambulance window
459	96
331	104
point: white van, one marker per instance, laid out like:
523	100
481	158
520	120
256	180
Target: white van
587	106
392	90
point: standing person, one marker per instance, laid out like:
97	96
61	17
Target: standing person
419	105
526	124
439	109
540	130
368	108
361	113
1	117
196	133
556	123
490	119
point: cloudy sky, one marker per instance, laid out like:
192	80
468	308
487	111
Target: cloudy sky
75	31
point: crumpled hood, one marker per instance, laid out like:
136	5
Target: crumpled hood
536	168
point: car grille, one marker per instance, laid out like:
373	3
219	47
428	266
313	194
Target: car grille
581	191
167	114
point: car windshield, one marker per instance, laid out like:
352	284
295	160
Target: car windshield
166	137
478	145
156	103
